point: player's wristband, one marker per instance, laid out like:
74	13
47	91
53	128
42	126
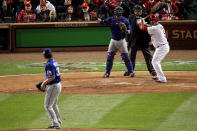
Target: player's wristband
144	27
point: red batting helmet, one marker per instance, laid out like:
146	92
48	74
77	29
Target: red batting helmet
153	17
42	4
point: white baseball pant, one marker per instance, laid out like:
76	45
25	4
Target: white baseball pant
158	56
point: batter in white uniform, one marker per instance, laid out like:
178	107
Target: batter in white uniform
159	41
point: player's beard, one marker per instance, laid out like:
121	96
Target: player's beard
153	23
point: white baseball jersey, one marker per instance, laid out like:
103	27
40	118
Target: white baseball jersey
159	40
158	35
48	5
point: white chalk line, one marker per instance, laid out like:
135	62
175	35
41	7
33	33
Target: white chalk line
182	85
82	72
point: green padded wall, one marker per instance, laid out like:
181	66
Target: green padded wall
63	37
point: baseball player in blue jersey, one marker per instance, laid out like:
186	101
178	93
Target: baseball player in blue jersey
53	89
118	42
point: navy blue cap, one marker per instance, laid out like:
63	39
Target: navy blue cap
47	51
118	8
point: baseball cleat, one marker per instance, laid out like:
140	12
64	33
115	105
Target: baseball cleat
126	73
106	75
158	81
132	74
155	78
53	127
59	121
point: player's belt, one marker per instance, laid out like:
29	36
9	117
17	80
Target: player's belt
160	45
117	39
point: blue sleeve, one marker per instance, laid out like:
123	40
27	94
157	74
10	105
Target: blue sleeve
51	71
127	24
106	21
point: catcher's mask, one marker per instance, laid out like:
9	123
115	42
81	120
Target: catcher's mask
47	52
137	9
153	18
118	11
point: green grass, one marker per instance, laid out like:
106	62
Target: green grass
18	110
150	111
16	68
13	68
143	111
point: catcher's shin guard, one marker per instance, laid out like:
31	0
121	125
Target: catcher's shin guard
127	62
109	62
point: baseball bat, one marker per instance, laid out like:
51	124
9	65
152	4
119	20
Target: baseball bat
156	8
147	16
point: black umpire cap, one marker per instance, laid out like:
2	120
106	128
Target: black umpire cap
137	7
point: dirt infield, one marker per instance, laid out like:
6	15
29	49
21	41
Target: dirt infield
93	83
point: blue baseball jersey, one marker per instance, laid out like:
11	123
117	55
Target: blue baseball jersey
116	33
52	70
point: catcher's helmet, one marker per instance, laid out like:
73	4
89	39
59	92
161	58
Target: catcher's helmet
153	17
118	11
47	52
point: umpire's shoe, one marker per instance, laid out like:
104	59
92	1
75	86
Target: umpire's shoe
106	75
53	127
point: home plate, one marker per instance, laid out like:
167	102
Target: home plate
122	83
30	89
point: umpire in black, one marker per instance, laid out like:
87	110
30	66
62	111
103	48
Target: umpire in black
139	39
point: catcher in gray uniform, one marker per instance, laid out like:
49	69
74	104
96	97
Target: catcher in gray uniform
120	27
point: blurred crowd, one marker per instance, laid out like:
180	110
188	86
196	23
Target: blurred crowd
89	10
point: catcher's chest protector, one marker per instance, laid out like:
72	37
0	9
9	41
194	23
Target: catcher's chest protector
115	22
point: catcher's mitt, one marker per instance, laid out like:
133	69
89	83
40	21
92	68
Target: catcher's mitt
123	27
38	86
